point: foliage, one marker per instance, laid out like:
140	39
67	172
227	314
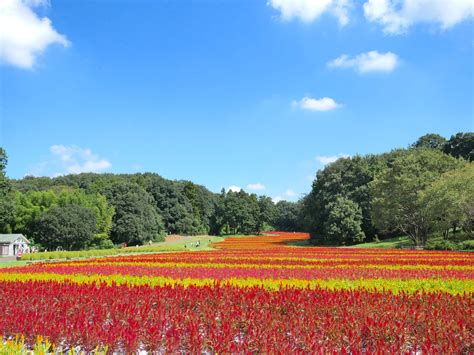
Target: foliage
268	213
287	216
431	140
136	220
241	213
449	201
6	200
461	145
343	224
30	205
396	204
70	227
348	178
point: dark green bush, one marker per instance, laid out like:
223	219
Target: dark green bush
442	245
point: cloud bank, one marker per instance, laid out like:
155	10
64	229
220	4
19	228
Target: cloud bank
372	61
397	16
312	104
310	10
23	35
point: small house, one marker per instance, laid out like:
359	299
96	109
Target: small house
11	244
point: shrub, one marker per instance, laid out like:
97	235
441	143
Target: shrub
442	245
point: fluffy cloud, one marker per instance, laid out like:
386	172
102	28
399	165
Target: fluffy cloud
397	16
23	35
234	188
310	10
277	199
323	104
372	61
76	160
324	159
290	193
256	187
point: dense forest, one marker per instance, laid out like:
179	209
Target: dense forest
424	189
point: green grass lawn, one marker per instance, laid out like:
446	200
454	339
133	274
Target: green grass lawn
184	244
404	241
9	263
391	243
188	243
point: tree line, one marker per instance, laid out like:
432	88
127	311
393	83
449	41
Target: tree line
420	191
102	210
424	189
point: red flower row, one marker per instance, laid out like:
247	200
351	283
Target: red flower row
226	319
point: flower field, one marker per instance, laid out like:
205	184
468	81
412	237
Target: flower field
252	294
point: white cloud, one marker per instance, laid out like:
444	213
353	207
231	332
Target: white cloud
397	16
367	62
76	160
277	199
324	159
310	10
290	193
23	35
234	188
322	104
258	186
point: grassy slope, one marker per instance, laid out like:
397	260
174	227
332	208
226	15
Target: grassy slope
400	242
396	242
8	263
185	244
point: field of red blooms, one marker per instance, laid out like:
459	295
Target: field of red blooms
251	294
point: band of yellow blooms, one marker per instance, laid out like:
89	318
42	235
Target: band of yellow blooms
265	266
452	286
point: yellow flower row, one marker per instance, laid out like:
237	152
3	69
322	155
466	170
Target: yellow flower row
42	346
452	286
264	266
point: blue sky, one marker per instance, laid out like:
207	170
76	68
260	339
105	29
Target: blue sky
253	94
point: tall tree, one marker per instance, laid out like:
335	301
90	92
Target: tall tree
30	205
237	212
6	196
461	145
136	220
396	204
348	178
449	201
430	140
288	216
344	222
71	227
268	214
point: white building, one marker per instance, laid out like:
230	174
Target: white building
11	244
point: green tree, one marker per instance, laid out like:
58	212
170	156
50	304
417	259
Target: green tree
288	216
430	140
268	213
96	202
30	205
237	213
461	145
396	205
70	227
6	196
173	206
136	220
449	201
348	178
344	222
